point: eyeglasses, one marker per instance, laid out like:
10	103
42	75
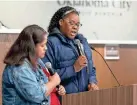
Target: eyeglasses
72	23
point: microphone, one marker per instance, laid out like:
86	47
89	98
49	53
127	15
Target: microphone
50	69
107	65
79	47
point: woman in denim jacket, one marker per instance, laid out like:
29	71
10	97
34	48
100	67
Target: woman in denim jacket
23	82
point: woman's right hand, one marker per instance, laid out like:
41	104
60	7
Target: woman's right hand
80	63
55	78
52	83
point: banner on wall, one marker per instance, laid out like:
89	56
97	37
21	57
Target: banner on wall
106	20
101	19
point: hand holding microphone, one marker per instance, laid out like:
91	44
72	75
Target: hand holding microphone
54	76
81	62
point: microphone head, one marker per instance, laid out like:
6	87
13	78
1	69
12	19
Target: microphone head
77	41
48	65
92	48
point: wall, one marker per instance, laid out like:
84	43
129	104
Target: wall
5	42
102	20
125	69
18	14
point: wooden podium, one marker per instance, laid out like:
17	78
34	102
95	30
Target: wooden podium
122	95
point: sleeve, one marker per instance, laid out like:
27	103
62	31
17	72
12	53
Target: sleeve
92	72
91	68
50	56
66	73
28	87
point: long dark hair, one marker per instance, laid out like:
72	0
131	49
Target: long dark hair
24	46
59	14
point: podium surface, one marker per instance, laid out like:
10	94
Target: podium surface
122	95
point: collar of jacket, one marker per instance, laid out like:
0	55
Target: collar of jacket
56	32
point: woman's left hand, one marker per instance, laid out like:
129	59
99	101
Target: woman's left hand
92	86
61	90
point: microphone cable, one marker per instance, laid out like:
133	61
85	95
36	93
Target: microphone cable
107	65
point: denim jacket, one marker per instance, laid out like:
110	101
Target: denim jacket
22	85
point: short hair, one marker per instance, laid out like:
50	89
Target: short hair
24	46
59	14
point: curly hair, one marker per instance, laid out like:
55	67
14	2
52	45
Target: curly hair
59	14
